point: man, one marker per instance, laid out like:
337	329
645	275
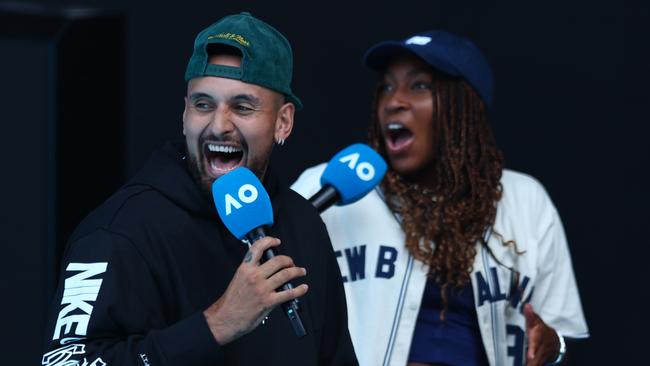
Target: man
153	277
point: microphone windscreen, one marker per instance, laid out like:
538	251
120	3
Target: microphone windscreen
242	202
354	172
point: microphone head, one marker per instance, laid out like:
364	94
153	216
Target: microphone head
242	202
354	172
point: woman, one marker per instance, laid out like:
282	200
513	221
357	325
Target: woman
470	260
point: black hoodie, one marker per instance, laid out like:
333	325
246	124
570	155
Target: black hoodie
140	269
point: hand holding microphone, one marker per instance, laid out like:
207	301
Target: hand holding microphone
245	209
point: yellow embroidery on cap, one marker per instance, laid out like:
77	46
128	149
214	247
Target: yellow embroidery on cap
235	37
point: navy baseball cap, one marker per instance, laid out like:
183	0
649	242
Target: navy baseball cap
444	51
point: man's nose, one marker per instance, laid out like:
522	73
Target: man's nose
221	123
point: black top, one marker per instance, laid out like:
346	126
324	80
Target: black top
139	271
454	341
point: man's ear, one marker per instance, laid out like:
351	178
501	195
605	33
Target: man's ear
284	121
184	112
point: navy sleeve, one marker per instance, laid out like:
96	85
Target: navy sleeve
109	310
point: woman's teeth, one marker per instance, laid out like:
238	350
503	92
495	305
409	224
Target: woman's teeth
394	126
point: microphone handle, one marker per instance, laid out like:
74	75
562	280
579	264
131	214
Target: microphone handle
326	197
290	308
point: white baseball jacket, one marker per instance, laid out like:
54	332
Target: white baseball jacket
384	283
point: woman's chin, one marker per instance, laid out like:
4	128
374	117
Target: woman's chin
413	171
404	167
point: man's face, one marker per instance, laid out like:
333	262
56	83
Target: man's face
228	124
405	112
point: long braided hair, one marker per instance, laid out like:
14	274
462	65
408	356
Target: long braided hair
443	223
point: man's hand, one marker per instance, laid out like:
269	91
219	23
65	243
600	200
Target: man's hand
251	294
543	344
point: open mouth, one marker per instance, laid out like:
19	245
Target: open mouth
222	158
397	137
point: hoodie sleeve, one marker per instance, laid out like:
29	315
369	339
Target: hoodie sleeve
108	310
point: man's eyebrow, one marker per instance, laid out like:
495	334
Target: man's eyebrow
250	98
196	96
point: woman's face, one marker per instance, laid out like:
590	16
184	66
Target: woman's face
405	113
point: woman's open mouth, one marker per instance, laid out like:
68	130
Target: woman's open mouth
398	138
222	157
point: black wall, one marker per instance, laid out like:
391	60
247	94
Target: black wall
63	115
571	92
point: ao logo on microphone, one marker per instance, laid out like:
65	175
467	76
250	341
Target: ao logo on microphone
247	193
242	202
365	171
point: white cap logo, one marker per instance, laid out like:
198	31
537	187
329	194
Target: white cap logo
418	40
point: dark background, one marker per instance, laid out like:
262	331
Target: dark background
570	109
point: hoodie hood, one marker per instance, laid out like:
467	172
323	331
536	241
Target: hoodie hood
167	172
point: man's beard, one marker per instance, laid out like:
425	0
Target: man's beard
195	168
204	182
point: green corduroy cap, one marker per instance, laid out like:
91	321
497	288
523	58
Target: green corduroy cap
267	59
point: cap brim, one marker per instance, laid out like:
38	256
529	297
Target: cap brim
378	56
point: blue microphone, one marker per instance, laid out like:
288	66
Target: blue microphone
242	203
349	176
245	208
